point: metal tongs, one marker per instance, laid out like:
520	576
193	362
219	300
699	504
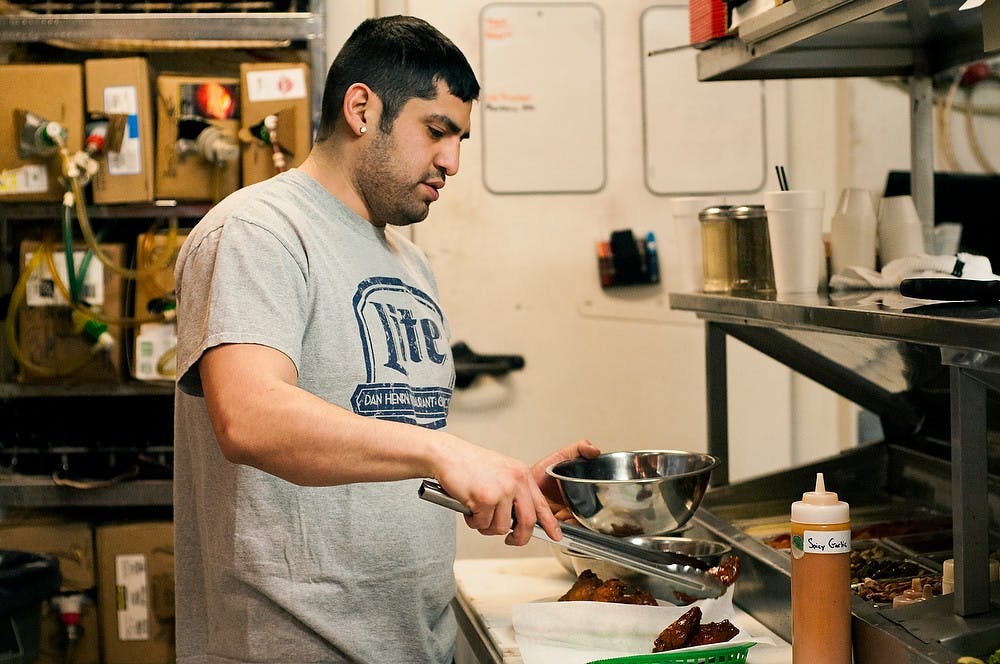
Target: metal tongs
685	573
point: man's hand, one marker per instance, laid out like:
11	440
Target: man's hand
581	448
500	491
506	496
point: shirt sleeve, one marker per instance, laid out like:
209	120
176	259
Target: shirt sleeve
239	283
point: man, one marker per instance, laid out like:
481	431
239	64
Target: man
314	380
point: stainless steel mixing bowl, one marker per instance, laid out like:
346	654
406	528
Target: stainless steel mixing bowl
626	494
709	551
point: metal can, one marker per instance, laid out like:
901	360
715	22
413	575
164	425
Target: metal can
754	267
718	248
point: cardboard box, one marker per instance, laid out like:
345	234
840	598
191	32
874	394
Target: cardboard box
71	542
183	175
151	251
55	93
991	26
53	644
155	343
156	352
135	592
46	331
121	86
281	89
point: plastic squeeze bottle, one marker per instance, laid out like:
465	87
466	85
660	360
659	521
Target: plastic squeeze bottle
821	578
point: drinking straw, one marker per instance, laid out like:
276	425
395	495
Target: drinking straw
782	178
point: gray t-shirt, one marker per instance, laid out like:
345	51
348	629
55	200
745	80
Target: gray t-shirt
268	571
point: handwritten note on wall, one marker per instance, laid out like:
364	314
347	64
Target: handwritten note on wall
542	97
701	137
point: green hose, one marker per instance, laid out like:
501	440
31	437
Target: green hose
67	229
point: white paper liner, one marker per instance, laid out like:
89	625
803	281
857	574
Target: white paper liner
579	632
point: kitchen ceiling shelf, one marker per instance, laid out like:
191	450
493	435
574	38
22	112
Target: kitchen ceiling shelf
915	39
834	38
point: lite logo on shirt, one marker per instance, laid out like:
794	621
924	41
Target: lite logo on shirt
407	359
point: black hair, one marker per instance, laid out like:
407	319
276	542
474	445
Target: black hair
399	58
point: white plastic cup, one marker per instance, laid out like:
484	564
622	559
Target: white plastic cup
687	238
795	226
853	231
948	574
900	233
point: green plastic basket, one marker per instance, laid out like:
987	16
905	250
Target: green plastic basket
721	655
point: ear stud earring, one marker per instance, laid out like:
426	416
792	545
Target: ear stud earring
363	129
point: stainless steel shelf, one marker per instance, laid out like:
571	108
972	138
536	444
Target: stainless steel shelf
966	326
838	38
10	391
155	32
159	210
38	491
194	26
184	31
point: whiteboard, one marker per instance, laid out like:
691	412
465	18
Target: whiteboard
720	123
542	97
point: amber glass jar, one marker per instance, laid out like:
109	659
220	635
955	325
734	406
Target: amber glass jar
718	248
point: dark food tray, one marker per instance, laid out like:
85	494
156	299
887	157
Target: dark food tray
901	502
880	572
881	564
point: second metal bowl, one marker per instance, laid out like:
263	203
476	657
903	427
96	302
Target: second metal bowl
709	551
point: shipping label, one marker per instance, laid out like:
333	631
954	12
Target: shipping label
132	597
27	179
42	290
124	100
273	84
154	351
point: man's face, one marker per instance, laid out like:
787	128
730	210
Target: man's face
401	172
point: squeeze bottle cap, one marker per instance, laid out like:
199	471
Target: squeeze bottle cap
820	506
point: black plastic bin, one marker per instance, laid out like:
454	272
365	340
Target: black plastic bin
26	580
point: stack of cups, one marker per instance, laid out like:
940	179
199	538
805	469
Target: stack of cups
947	238
795	227
687	239
853	231
900	233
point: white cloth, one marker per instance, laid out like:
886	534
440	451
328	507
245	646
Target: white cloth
962	265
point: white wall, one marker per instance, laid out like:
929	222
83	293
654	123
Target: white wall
881	141
518	275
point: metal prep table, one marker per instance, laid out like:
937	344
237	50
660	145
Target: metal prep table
929	371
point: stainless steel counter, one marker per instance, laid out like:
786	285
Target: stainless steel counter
927	369
876	314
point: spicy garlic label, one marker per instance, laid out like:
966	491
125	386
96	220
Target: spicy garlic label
821	541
